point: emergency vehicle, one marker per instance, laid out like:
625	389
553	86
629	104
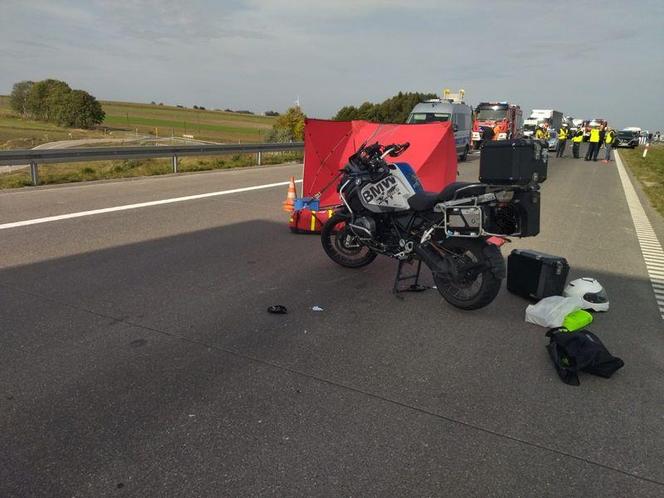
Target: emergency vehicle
504	118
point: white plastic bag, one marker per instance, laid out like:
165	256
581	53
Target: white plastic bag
551	311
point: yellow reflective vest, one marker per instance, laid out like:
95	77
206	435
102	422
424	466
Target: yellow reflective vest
578	137
539	133
562	134
610	135
594	135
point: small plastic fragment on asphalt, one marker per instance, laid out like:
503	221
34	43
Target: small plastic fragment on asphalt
277	309
317	308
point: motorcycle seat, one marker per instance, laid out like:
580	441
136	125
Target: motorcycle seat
423	201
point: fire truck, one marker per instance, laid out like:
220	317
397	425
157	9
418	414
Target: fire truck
504	118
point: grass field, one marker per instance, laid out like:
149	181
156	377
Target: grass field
649	171
216	126
123	118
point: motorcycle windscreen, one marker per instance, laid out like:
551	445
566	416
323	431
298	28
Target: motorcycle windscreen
329	144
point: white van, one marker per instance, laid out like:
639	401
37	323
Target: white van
459	113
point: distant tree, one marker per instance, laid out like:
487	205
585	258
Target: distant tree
153	103
288	127
57	102
83	110
195	107
270	113
393	110
19	96
54	101
161	103
347	113
200	107
229	110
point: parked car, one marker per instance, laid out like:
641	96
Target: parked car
627	138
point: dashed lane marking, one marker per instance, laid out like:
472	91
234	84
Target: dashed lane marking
651	248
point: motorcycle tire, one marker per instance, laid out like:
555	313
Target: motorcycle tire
470	293
341	247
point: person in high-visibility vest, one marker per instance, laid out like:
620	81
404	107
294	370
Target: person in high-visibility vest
593	144
576	142
562	140
609	137
540	133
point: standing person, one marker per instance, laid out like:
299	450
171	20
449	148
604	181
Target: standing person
602	135
487	134
540	133
576	142
593	145
609	137
562	140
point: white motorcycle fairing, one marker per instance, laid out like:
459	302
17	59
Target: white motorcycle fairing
389	194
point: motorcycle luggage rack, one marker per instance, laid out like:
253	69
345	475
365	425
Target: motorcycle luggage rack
415	286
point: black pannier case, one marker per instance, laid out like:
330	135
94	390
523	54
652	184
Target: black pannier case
513	162
535	275
528	206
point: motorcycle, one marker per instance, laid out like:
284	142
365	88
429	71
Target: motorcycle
456	233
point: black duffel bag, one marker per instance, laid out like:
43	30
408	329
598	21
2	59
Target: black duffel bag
582	350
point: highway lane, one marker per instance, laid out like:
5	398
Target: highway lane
137	355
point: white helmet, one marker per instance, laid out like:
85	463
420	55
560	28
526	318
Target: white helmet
590	291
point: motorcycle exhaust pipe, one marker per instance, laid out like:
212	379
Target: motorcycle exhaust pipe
436	262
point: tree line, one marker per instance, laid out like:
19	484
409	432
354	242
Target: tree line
393	110
289	127
55	101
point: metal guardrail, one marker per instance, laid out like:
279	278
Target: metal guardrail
34	157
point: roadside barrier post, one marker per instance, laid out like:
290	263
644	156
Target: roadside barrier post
645	151
259	158
175	163
34	173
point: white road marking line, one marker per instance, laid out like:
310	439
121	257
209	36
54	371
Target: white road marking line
126	207
651	248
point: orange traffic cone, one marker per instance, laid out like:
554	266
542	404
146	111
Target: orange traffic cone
289	203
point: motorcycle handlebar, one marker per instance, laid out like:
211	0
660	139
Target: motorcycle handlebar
369	157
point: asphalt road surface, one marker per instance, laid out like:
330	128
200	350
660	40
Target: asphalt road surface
137	357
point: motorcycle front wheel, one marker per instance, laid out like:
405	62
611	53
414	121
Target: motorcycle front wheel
342	246
472	290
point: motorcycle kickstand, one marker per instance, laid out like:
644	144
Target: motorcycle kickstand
414	287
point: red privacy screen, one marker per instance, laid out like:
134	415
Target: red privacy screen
329	144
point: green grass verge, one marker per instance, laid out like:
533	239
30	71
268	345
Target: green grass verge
190	127
649	171
105	170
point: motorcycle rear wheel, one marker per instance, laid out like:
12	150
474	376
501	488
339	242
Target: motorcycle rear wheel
342	246
470	292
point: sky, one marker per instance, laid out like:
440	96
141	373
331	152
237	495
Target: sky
585	58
